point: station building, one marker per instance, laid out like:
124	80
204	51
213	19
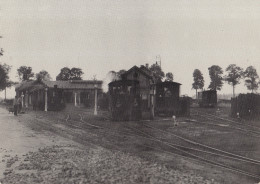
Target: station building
54	95
139	96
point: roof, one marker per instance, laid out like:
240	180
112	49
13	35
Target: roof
83	84
24	85
165	83
72	84
144	72
123	82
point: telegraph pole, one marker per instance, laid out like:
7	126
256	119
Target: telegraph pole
158	60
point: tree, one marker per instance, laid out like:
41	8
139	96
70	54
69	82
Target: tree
215	73
235	73
198	81
169	76
43	76
70	74
4	78
1	50
251	78
157	71
76	74
25	73
64	74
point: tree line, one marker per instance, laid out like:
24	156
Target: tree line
233	76
25	73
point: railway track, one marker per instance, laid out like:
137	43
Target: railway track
197	151
233	121
189	152
230	120
224	122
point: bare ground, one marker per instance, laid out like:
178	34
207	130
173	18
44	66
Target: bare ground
57	157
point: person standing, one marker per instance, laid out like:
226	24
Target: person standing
15	104
19	104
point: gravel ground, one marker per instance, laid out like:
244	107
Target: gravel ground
63	157
72	164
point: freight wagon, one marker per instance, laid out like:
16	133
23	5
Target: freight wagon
207	98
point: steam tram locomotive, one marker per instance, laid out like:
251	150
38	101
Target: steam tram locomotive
124	100
168	98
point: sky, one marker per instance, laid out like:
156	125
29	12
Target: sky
103	35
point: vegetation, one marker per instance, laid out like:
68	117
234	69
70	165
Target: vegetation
4	78
70	74
215	73
157	71
76	74
25	73
198	81
1	50
4	75
43	76
251	78
234	74
169	77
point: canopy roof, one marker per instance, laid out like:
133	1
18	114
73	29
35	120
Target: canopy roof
35	85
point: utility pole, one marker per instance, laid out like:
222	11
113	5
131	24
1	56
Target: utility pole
95	106
5	93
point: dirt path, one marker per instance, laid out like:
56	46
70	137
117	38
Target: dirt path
17	140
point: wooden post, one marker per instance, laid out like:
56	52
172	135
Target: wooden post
22	96
75	99
26	99
95	108
79	98
46	100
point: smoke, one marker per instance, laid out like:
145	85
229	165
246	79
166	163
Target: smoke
110	77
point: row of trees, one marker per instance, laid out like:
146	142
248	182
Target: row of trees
25	74
233	77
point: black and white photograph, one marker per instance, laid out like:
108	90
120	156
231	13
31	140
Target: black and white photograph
129	92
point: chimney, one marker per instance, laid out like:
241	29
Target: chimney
147	65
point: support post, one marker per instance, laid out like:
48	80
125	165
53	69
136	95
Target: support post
79	99
95	108
26	99
46	100
22	96
75	99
